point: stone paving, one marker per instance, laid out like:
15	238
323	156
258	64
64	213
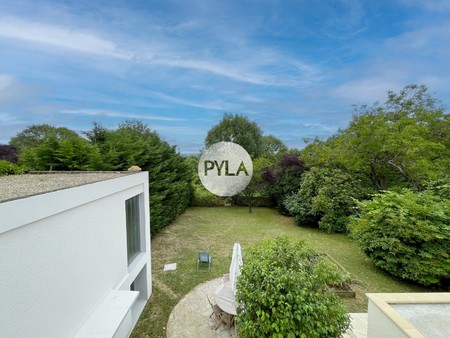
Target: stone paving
190	317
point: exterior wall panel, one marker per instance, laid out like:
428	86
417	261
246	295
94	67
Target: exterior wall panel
60	265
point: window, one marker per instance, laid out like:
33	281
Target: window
133	218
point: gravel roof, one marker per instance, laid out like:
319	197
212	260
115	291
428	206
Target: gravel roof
20	186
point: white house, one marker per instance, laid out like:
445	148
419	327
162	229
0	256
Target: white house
74	254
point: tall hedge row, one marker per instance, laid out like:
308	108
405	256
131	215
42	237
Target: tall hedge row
44	147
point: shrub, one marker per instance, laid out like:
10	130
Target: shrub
284	179
203	198
8	168
407	234
283	292
326	198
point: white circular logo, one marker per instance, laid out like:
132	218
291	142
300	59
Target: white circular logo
225	168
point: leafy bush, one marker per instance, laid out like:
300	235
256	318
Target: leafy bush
284	179
407	234
283	292
203	198
9	153
8	168
326	198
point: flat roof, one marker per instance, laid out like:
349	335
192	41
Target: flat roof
20	186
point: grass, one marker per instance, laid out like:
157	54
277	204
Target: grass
215	230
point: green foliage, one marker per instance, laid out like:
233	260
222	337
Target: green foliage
326	198
283	292
284	178
407	234
34	135
203	198
9	153
240	130
403	143
8	168
170	175
273	146
43	147
257	185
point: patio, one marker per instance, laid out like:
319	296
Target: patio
190	317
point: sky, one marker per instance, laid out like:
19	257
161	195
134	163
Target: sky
296	68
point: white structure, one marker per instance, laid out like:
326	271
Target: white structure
75	261
409	315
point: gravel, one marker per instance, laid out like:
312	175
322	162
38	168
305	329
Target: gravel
20	186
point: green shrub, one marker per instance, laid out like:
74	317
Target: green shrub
8	168
203	198
326	198
283	292
407	234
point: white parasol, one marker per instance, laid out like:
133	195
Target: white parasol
235	267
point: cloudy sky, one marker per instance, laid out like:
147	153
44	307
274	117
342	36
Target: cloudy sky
294	67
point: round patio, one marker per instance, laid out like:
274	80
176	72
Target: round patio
191	316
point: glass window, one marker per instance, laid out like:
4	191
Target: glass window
133	217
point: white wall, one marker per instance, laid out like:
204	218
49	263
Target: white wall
63	252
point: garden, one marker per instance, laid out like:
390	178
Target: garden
374	197
215	229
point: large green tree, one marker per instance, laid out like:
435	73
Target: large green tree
134	143
45	147
403	142
240	130
34	135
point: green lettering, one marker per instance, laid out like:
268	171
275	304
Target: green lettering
242	168
219	167
226	170
207	167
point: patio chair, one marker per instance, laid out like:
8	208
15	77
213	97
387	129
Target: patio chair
220	316
204	261
217	313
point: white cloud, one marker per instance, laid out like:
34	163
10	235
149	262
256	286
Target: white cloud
217	105
253	64
6	81
431	5
108	113
62	37
432	39
14	91
366	90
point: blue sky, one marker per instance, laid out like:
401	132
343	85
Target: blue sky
294	67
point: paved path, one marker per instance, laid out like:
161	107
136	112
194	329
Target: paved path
190	317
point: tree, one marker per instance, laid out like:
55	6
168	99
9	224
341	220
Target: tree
134	143
284	178
8	153
240	130
40	148
404	142
273	146
283	291
36	134
257	185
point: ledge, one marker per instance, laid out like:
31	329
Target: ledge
112	318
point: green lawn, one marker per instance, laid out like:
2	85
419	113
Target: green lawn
215	230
